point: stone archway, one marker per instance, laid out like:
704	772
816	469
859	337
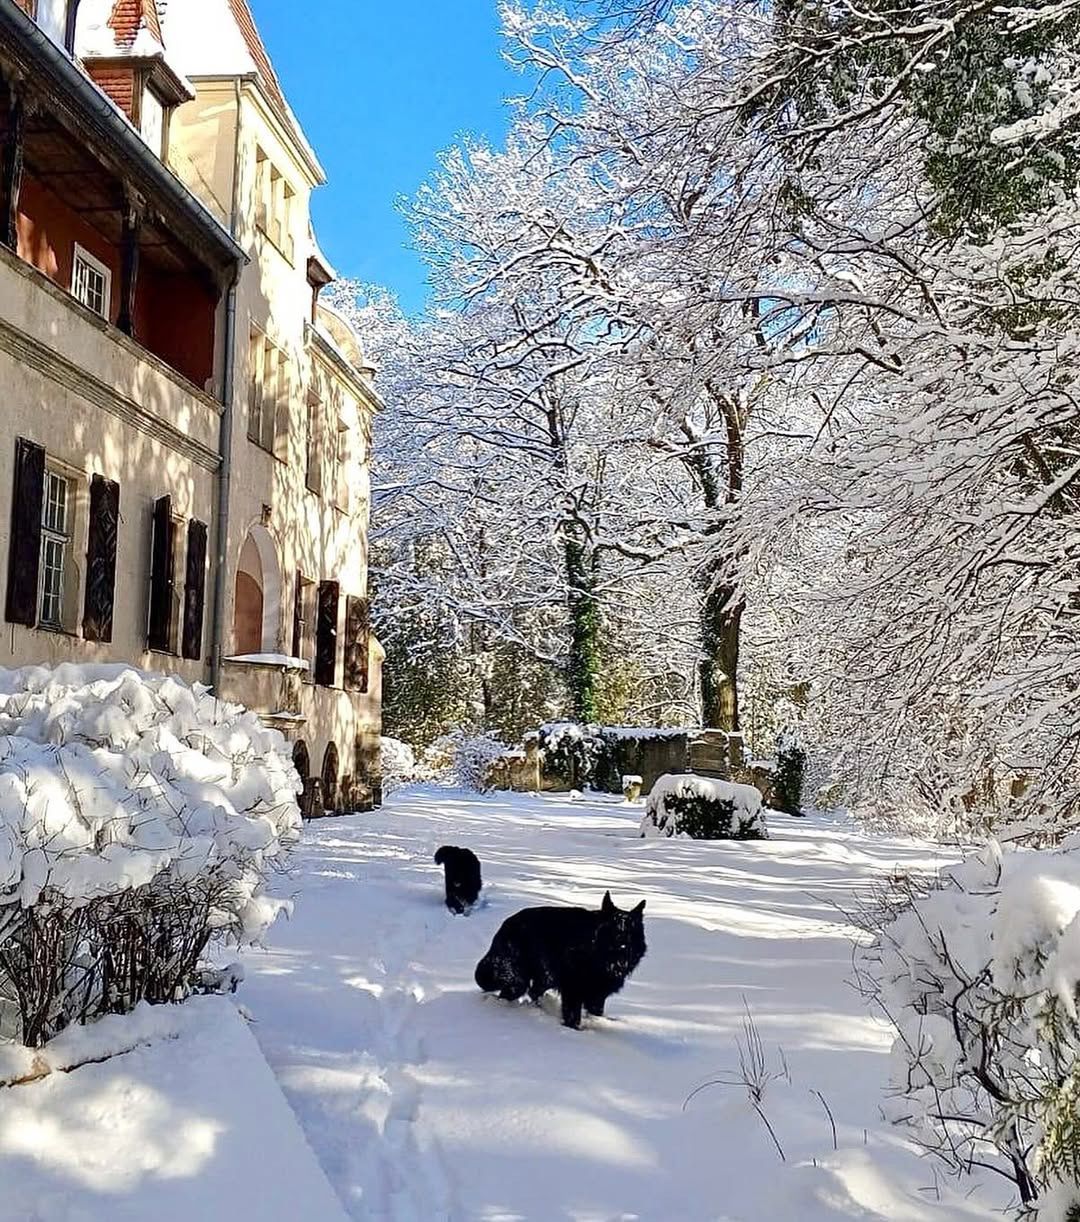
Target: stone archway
257	605
330	778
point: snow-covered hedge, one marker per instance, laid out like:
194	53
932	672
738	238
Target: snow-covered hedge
703	809
139	818
980	976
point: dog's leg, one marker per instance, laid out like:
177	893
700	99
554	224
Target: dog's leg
595	1006
571	1011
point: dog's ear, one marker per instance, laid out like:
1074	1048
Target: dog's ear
638	909
607	906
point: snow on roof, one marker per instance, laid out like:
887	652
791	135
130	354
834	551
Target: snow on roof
220	38
124	29
336	330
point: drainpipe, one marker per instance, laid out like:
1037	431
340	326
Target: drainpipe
226	435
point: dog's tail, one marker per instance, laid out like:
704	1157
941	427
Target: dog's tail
442	854
485	975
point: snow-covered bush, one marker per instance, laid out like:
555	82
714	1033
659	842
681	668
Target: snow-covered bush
980	978
139	819
471	755
570	751
703	809
790	772
399	764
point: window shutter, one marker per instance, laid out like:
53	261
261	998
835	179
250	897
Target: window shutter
101	559
162	579
326	633
356	644
195	589
298	617
24	554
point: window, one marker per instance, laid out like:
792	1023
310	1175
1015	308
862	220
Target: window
357	644
152	121
314	440
268	396
55	545
274	204
326	633
303	614
91	282
53	17
341	465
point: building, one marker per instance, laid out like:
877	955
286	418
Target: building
186	449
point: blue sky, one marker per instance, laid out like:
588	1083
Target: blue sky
380	89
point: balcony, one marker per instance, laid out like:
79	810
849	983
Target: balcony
43	328
85	201
271	685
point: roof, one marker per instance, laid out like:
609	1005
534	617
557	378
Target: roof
80	107
219	38
115	30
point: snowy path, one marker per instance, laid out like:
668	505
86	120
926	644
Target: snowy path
424	1100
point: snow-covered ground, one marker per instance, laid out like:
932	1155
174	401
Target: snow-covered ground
183	1122
424	1099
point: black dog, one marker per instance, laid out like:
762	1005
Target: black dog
585	955
462	869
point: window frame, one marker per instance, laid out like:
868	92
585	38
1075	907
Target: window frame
342	451
275	200
81	255
161	149
269	394
70	577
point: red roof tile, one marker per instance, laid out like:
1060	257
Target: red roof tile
241	11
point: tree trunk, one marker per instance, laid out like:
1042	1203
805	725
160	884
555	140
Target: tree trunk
721	618
584	663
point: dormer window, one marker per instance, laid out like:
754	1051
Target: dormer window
152	121
56	18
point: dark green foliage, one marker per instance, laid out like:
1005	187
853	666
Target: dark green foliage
790	773
583	666
570	755
703	818
978	74
424	690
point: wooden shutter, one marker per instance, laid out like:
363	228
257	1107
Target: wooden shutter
298	617
24	554
101	559
162	577
356	644
326	633
195	589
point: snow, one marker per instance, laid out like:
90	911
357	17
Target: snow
186	1123
424	1099
271	659
110	777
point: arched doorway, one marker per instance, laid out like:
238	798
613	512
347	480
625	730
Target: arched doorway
330	778
257	606
309	798
302	760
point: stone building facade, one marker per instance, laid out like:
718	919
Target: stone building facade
186	441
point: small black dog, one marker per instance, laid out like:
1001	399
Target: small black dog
462	869
585	955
